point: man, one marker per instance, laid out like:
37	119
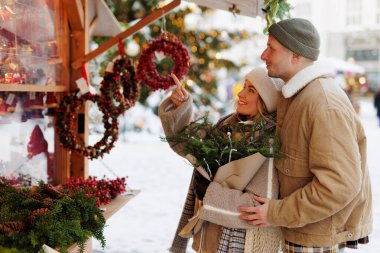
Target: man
325	194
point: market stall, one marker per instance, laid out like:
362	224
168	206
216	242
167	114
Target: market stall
38	42
44	98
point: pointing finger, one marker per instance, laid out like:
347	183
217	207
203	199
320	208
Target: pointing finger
177	82
179	88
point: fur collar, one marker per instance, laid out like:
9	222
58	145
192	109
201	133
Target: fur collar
304	77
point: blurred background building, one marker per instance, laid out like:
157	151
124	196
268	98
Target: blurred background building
350	30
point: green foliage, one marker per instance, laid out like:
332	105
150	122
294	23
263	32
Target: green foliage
214	146
127	10
274	10
67	218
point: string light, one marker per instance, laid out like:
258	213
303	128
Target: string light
190	83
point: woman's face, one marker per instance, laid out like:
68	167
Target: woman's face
248	100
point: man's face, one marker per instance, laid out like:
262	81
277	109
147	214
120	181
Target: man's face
278	59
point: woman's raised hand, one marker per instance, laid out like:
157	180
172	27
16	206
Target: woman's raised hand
179	94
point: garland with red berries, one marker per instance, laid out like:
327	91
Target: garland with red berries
66	116
147	70
120	87
103	189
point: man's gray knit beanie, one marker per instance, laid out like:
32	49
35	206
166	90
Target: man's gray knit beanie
299	35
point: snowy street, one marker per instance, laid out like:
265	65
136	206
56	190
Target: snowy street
148	222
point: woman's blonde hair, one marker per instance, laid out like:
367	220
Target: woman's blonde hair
262	112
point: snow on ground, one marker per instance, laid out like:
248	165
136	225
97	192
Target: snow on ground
148	222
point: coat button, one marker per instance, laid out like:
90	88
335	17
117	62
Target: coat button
286	171
349	234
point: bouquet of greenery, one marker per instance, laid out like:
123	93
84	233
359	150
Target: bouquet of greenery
212	146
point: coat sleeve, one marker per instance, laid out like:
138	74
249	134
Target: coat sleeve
174	119
334	162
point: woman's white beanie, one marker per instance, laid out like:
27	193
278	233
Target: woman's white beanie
265	86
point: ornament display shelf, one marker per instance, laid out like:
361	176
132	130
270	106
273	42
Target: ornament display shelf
32	87
110	209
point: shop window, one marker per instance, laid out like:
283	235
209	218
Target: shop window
30	76
363	54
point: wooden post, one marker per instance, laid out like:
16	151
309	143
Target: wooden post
61	155
79	45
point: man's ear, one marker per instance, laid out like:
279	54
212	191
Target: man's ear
296	58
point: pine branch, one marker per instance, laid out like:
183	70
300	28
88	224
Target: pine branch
215	146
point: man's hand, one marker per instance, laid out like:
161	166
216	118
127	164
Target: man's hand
256	215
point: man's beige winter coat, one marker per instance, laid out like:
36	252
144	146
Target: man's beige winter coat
324	181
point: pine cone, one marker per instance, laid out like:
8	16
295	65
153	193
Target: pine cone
53	191
11	226
40	211
15	225
48	202
36	195
5	229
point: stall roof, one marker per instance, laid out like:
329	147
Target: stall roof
105	22
251	8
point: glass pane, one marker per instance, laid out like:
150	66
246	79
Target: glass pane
29	54
28	45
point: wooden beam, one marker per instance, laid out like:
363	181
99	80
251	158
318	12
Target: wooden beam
130	31
61	154
79	46
75	11
92	25
33	87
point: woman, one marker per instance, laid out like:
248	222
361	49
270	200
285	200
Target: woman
222	230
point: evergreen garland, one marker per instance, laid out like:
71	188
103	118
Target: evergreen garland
215	146
31	218
275	9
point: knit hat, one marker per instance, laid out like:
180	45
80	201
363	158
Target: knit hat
265	86
299	35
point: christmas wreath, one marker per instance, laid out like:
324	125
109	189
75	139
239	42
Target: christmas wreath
147	69
214	146
66	116
120	86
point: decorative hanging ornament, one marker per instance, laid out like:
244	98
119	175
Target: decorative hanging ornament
171	47
66	116
119	88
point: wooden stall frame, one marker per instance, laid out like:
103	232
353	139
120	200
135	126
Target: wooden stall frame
79	41
125	34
